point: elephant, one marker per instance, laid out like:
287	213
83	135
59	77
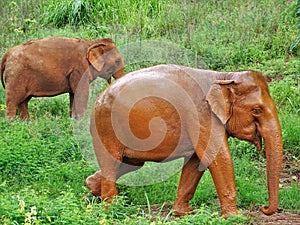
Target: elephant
169	111
56	65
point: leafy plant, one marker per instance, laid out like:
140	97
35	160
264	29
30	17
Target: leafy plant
63	12
286	94
296	43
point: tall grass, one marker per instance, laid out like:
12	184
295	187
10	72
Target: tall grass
226	35
294	45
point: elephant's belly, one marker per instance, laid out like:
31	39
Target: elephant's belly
163	153
48	87
157	132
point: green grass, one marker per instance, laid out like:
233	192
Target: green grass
44	161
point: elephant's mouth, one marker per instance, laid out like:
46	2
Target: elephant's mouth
257	141
251	135
108	74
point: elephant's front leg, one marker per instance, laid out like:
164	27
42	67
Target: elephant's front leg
189	180
222	172
79	103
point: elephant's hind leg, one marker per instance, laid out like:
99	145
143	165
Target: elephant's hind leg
11	104
23	108
108	185
11	109
15	100
110	160
93	182
189	180
109	177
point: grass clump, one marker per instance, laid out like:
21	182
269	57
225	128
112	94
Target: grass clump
62	13
294	45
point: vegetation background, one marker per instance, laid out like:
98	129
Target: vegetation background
44	161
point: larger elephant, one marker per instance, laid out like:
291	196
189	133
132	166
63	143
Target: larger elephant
168	111
57	65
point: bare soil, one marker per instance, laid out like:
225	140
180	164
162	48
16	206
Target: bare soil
290	170
276	219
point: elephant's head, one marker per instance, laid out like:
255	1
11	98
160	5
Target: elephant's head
243	104
106	60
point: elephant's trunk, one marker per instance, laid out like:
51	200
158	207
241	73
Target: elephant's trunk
271	133
119	72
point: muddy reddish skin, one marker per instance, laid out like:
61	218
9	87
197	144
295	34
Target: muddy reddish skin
226	104
56	65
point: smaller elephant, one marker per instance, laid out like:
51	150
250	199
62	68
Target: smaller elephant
57	65
166	112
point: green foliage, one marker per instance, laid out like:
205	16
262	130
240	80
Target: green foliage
286	94
296	43
57	106
61	13
228	35
290	132
25	148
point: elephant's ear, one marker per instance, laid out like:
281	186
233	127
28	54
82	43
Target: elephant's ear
220	99
95	55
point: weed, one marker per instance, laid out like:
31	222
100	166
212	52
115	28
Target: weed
295	44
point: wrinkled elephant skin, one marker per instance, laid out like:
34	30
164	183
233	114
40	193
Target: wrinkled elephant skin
165	112
57	65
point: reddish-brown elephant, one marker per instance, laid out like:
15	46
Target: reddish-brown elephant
57	65
168	111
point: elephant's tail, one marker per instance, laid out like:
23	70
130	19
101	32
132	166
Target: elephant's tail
3	68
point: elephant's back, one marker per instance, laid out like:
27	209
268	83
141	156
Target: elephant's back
147	105
135	85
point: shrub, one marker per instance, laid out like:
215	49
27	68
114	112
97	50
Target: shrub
294	46
63	12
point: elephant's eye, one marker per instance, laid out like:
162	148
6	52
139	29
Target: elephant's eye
118	62
257	111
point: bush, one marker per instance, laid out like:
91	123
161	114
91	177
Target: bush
286	94
63	12
28	147
295	44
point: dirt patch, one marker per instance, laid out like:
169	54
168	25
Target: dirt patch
281	218
290	170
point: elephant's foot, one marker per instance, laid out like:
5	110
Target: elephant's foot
93	182
229	211
182	208
231	214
